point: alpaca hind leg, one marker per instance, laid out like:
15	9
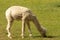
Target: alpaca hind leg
8	28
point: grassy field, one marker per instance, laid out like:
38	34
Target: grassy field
47	12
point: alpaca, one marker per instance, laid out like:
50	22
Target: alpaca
25	15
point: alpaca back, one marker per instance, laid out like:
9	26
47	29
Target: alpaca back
16	12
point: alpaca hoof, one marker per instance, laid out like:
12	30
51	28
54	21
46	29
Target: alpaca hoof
22	37
30	35
9	37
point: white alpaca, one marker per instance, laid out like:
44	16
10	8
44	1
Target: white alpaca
24	14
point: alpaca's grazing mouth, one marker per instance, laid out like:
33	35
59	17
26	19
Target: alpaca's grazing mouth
25	14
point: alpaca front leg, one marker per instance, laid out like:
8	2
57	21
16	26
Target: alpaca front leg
29	29
23	28
8	29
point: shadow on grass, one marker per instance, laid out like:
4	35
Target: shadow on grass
57	5
45	37
37	37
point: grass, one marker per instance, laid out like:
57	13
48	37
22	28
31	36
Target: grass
47	12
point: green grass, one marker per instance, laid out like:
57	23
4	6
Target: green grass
47	12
